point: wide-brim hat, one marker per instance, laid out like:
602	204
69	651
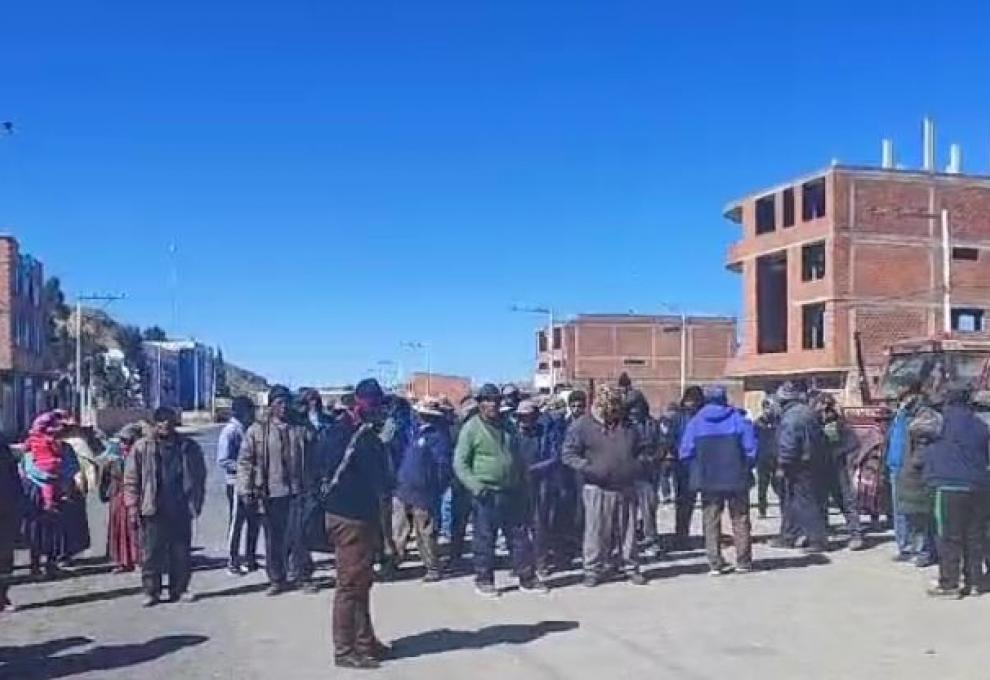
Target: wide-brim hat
429	407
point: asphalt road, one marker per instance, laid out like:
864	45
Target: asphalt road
842	616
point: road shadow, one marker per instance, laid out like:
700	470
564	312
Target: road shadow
246	589
446	640
82	598
37	662
200	563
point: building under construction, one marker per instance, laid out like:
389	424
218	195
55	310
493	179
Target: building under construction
847	253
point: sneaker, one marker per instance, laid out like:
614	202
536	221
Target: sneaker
591	581
486	590
856	543
356	662
744	568
250	568
637	579
901	557
801	542
150	601
187	597
941	593
535	586
433	577
814	549
721	570
235	570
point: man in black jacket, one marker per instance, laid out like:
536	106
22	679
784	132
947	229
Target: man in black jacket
955	470
605	450
803	459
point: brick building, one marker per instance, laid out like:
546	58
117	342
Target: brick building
659	353
23	338
850	249
454	387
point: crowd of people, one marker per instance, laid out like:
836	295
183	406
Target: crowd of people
565	480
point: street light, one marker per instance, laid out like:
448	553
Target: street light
425	348
550	344
684	338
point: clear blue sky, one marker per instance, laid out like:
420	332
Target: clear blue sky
343	176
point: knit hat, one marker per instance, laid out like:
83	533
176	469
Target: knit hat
279	392
716	394
369	392
576	396
489	392
608	403
790	391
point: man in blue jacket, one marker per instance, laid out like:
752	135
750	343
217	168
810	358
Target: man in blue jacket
238	514
423	476
955	470
719	446
544	469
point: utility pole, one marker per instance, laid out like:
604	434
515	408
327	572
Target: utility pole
946	274
79	330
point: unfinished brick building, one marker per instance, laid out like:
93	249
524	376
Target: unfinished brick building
850	249
659	353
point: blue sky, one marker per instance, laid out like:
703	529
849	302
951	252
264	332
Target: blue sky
341	177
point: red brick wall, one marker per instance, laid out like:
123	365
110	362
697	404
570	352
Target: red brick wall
453	387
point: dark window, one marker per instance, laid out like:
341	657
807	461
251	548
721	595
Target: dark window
557	363
813	200
541	341
766	219
543	366
813	326
771	303
634	362
967	320
557	338
813	261
965	254
789	207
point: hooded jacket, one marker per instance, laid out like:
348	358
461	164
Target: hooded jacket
609	457
720	445
487	456
800	440
424	472
957	455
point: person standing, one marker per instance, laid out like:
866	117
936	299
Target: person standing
686	497
460	497
955	469
647	492
424	474
898	441
543	467
164	487
350	495
12	504
840	443
719	446
239	515
123	534
606	451
269	471
803	461
488	462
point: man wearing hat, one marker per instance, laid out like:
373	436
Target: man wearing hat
238	514
164	487
802	457
719	446
686	497
605	449
351	495
489	463
543	465
423	475
269	477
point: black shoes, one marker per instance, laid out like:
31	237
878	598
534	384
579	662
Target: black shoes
637	579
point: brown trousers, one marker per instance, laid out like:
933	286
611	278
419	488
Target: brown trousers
407	520
712	508
354	542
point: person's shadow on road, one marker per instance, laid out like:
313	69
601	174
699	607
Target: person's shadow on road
43	660
447	640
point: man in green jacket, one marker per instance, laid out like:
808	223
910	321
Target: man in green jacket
488	463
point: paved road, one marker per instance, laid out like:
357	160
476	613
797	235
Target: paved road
845	616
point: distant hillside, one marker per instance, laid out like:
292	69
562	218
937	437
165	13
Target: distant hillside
243	382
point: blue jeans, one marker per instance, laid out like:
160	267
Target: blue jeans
506	512
902	537
921	537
